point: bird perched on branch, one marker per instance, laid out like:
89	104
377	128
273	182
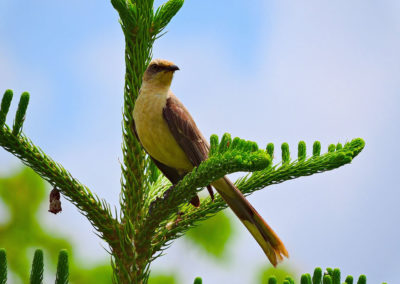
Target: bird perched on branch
170	136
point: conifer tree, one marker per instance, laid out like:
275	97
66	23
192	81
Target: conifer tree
152	213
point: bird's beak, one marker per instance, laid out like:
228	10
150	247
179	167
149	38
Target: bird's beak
173	68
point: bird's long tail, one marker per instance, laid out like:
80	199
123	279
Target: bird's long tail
264	235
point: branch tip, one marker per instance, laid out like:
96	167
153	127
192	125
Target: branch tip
5	106
20	115
301	151
285	153
270	150
316	148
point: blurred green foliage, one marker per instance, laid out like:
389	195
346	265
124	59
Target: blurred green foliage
212	235
156	278
280	273
21	196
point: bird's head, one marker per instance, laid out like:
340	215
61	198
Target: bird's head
159	72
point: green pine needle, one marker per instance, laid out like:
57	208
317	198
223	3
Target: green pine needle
20	115
37	268
270	150
5	106
362	279
225	143
317	276
62	268
336	276
214	143
349	280
315	164
290	279
285	153
3	266
164	14
316	148
272	280
301	151
305	279
327	279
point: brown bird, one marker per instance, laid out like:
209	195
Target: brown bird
170	136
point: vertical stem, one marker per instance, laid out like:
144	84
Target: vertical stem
131	256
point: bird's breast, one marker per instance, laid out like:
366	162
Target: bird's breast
154	133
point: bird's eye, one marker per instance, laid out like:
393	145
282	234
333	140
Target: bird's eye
154	68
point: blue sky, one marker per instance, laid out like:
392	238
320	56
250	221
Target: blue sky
268	71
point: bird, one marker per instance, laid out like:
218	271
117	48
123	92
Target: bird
169	135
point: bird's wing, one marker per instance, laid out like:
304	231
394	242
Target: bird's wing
186	133
189	137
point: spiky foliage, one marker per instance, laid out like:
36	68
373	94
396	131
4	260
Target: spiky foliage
269	175
319	277
331	276
37	268
153	213
62	268
3	266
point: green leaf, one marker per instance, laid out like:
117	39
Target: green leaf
212	235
